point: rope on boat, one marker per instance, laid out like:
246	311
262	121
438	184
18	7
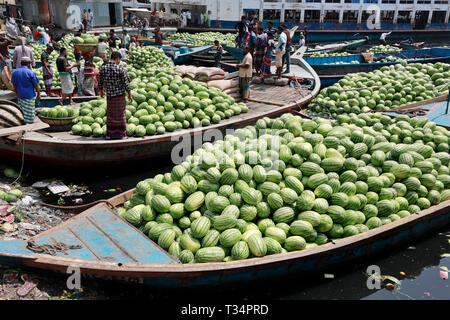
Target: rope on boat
82	206
51	249
23	156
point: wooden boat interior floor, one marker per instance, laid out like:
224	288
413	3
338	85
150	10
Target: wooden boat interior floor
434	112
269	97
101	236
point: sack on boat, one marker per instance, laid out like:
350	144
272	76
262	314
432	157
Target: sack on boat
257	80
217	77
231	90
223	84
269	80
209	72
281	82
186	71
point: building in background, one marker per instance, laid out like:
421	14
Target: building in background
66	14
322	14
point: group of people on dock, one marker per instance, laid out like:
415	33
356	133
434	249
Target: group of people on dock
264	45
111	81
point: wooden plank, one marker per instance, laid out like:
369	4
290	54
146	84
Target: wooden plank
266	102
28	127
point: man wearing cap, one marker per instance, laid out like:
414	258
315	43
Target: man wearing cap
26	86
47	71
65	75
22	51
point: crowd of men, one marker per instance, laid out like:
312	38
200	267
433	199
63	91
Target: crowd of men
266	44
111	81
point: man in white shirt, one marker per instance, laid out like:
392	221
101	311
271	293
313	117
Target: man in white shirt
280	50
125	39
183	19
245	73
383	37
101	49
90	18
189	17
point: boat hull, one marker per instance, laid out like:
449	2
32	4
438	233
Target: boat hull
331	73
172	275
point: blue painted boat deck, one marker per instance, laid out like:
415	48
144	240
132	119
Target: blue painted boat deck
436	113
103	236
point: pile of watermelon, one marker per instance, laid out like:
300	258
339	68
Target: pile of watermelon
289	184
384	48
380	90
59	112
205	38
144	61
162	103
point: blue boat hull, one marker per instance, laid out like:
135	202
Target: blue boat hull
331	73
114	250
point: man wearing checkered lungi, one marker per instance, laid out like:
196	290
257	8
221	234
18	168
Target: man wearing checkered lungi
26	86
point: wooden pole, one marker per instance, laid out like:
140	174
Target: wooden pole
44	13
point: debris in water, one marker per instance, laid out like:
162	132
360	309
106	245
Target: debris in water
77	201
444	274
427	293
445	255
58	187
7	227
402	273
43	184
412	248
9	219
328	276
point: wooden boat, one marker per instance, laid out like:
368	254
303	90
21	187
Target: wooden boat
330	73
412	46
176	43
66	150
436	110
335	47
112	249
237	52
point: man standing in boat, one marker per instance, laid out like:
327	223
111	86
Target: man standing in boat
383	37
26	86
245	73
47	71
65	76
114	81
287	55
218	54
242	28
270	28
260	49
159	37
280	50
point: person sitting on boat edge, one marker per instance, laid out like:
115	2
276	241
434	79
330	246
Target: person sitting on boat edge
218	54
114	82
102	48
245	73
280	50
26	86
47	72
